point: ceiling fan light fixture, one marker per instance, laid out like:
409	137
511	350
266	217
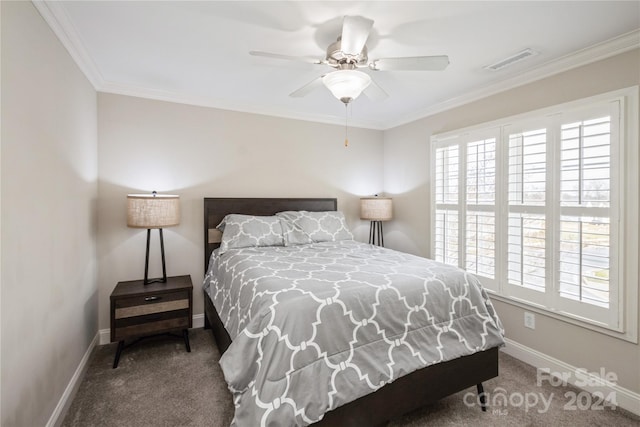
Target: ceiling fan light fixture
346	85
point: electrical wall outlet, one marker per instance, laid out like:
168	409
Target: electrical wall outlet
529	320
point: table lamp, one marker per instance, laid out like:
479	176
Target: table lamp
376	209
153	211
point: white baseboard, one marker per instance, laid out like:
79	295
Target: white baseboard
198	320
105	334
591	382
69	393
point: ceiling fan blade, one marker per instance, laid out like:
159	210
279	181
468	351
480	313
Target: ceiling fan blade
355	32
413	63
308	88
309	59
375	92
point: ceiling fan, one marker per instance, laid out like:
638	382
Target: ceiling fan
347	54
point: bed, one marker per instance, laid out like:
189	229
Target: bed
397	396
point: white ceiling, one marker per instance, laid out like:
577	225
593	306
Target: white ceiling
197	52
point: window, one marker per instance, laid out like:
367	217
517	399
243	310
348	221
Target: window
543	208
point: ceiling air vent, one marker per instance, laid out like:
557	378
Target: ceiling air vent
523	54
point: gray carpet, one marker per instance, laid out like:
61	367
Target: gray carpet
159	384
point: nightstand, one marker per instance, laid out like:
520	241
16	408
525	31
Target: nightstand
139	311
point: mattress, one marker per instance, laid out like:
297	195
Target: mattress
319	325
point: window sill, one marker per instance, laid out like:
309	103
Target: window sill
630	333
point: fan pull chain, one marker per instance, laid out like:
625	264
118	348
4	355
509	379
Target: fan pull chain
346	127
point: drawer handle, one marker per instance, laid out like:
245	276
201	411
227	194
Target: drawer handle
152	298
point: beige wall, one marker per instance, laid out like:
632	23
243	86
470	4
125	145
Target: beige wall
198	152
406	177
49	191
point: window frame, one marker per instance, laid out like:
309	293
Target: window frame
624	180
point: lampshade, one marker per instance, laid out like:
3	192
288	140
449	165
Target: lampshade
376	208
153	210
346	85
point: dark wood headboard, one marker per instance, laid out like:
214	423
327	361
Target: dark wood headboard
216	208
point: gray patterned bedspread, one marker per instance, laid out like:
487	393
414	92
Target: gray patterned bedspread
317	326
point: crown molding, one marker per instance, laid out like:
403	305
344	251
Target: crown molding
600	51
55	16
210	102
59	22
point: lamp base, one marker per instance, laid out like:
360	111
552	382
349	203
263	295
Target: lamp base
376	237
146	262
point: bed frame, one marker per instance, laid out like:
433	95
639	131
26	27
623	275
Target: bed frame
420	388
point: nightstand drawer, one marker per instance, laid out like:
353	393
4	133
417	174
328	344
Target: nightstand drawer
150	324
149	304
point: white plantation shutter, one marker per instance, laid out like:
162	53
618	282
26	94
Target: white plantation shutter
526	223
526	251
481	172
447	170
480	244
532	207
588	223
446	237
527	168
480	230
584	259
446	229
586	163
